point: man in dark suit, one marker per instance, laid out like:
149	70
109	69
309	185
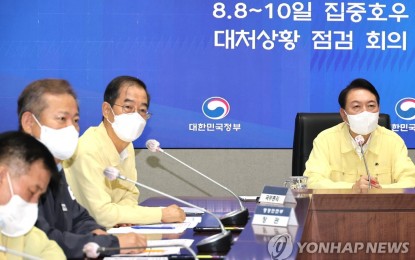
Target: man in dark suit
48	110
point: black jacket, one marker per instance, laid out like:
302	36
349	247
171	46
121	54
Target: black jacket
67	222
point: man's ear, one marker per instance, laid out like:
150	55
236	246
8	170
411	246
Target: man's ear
3	172
343	115
106	109
27	121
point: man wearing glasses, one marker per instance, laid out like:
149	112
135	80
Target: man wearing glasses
115	203
48	110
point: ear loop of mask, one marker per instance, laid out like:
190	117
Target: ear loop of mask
37	121
10	184
113	114
347	116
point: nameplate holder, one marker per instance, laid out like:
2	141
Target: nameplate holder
266	233
274	216
276	195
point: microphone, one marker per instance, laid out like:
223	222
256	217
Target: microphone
17	253
93	250
360	140
220	242
233	218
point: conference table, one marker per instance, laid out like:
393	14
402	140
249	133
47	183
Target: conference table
249	243
375	219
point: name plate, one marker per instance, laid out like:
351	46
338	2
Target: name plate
274	216
266	233
276	195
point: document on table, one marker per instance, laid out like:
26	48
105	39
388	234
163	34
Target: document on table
192	211
193	221
170	228
158	248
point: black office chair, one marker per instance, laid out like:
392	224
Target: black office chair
307	127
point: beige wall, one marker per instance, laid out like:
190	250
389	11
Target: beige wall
244	171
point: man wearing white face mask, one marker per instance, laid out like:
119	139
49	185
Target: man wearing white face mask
48	110
115	203
25	170
336	161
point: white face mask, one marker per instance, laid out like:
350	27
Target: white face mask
60	142
128	127
17	217
363	123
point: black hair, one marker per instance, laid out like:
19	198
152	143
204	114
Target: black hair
112	92
357	84
19	150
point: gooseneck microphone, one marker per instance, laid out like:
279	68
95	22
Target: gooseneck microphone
18	253
93	250
233	218
360	140
220	242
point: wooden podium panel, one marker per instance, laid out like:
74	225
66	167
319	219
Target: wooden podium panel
379	224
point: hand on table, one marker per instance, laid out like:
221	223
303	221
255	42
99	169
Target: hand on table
172	213
363	183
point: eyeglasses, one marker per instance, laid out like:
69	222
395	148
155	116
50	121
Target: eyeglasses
128	109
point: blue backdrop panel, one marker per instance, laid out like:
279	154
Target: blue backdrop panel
221	74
